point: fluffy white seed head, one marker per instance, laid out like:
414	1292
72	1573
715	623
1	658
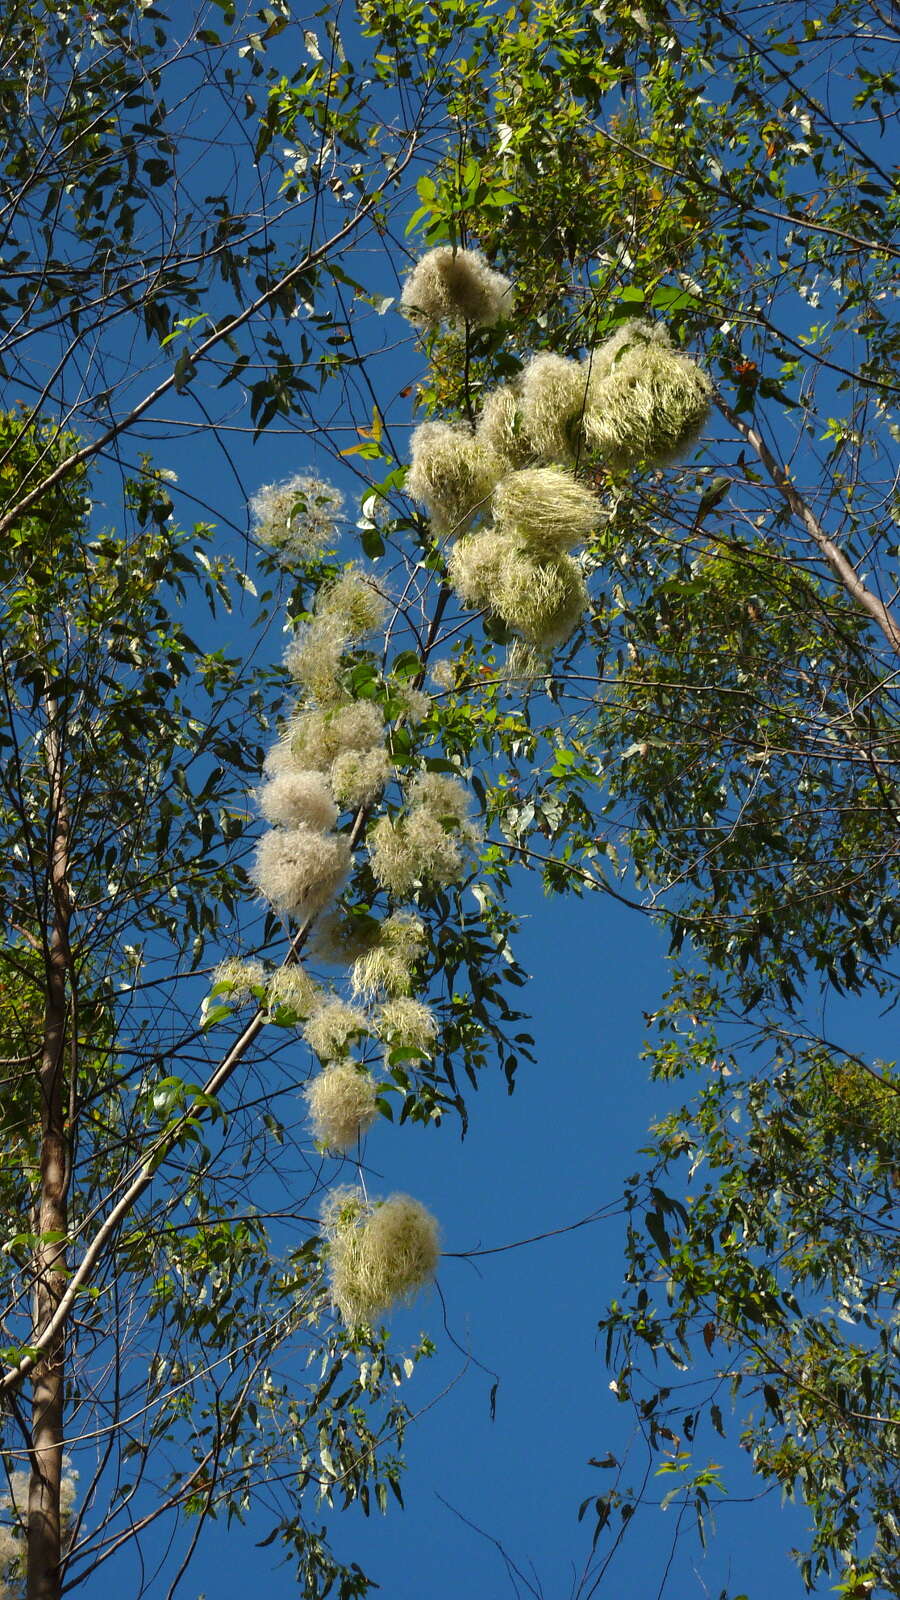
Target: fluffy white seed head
599	363
317	737
446	797
342	1105
406	1024
456	286
552	397
13	1536
476	565
299	870
415	850
12	1558
298	516
443	675
298	799
541	598
451	474
646	402
359	776
237	979
313	658
378	1253
388	964
332	1026
544	600
351	606
292	989
415	704
547	509
501	427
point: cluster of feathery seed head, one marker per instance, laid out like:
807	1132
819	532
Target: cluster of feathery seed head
331	1027
293	989
298	799
342	1105
413	850
543	601
649	402
414	704
351	605
476	566
446	797
346	611
297	516
389	962
313	659
298	870
238	979
406	1024
359	776
444	675
451	473
629	335
317	737
501	427
377	1253
455	286
552	391
13	1537
428	845
540	597
547	509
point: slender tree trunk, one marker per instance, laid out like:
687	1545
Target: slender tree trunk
44	1525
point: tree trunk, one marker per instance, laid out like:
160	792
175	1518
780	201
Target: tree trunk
44	1522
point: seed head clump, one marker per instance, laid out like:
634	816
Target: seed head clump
476	565
451	473
351	606
650	405
415	704
541	598
501	427
406	1024
414	850
342	1105
443	674
599	363
390	961
332	1026
313	659
455	286
298	799
292	989
239	978
547	509
298	870
444	796
378	1253
317	737
359	776
552	396
297	516
543	601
